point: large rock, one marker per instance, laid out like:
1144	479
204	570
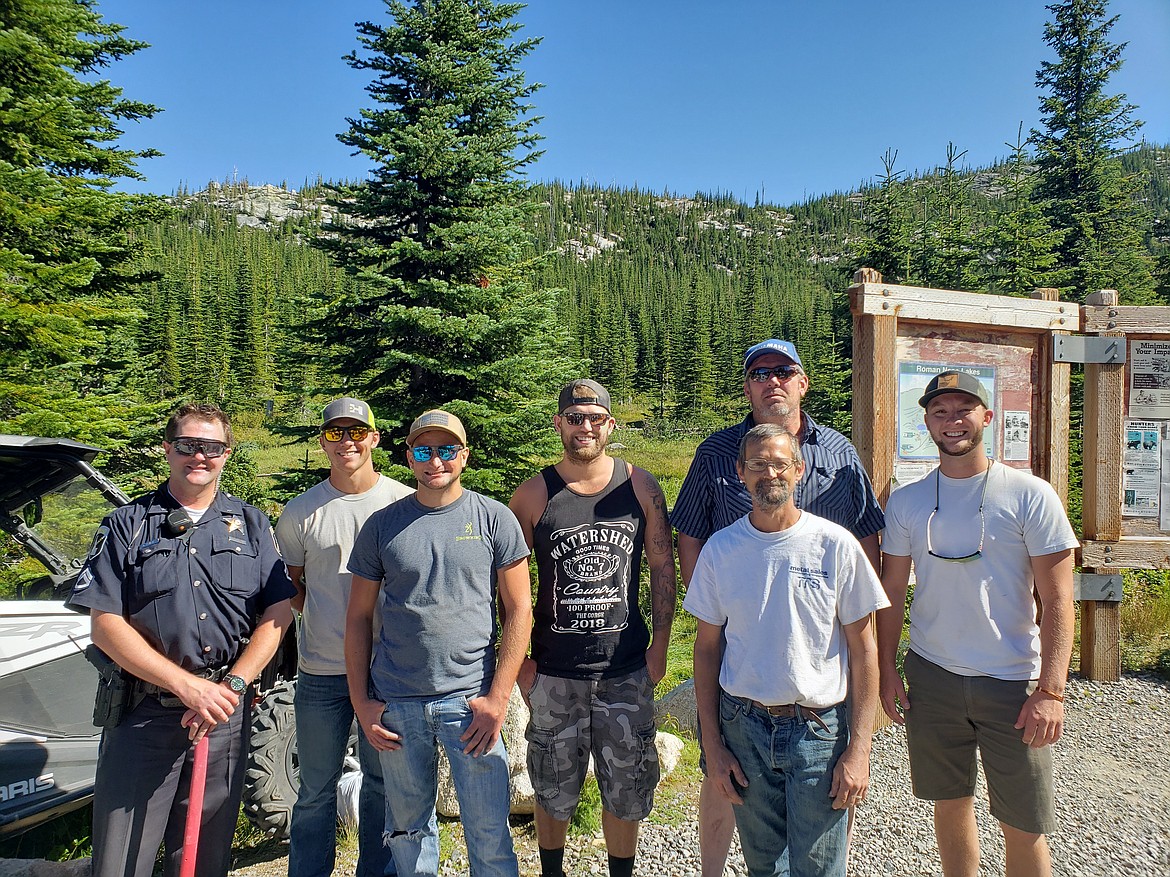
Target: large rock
515	721
676	710
44	868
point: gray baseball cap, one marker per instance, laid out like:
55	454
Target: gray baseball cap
583	392
347	406
954	382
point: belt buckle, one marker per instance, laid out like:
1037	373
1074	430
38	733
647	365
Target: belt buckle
777	711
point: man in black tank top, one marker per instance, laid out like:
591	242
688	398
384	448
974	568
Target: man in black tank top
590	680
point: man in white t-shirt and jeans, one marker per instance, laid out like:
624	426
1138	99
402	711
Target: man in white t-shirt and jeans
795	594
981	673
316	533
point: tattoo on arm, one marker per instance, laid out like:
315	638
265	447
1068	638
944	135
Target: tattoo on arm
660	548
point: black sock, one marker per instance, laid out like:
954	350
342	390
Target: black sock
621	867
552	862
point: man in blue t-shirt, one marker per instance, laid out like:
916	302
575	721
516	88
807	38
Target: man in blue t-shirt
441	557
834	486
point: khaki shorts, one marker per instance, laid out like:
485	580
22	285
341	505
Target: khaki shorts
612	719
951	716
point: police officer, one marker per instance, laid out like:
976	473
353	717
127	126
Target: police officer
188	596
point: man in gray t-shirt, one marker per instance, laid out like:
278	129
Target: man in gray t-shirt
440	557
316	532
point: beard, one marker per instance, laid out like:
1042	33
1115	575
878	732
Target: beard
770	495
585	453
965	447
780	409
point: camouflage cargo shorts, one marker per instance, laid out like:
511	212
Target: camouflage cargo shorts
612	719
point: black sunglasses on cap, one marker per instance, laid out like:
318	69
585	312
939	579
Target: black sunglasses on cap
209	448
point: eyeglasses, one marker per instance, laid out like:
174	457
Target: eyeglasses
783	372
336	433
576	418
424	453
189	447
978	552
781	466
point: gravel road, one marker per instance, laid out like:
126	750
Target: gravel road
1113	787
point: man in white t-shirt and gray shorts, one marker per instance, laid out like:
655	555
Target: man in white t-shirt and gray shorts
981	673
316	533
794	593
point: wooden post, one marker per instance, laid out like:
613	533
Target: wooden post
1101	502
875	387
1049	450
875	400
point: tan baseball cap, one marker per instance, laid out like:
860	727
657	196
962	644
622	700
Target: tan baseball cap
436	419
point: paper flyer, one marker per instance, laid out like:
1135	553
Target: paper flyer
1142	469
1149	379
1017	434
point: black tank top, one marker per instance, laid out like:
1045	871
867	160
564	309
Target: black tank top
589	558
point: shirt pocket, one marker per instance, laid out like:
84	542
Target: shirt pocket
235	565
158	567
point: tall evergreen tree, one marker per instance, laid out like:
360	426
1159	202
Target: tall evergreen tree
951	254
438	234
886	245
1087	197
64	249
1019	247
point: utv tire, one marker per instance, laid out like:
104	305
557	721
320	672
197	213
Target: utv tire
273	774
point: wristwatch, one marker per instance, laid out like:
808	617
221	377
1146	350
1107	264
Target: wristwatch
236	683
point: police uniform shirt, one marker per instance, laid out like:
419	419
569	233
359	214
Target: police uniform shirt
196	597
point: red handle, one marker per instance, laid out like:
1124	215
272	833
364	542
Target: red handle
194	810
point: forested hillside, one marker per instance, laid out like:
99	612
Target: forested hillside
661	292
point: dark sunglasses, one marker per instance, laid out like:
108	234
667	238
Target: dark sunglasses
424	453
978	552
336	433
783	372
189	447
576	418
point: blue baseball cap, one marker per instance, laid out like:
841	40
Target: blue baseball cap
773	345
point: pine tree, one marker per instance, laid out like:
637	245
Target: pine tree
886	245
446	313
1087	197
1020	246
65	254
952	254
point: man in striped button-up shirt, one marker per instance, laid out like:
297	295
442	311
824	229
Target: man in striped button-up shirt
834	486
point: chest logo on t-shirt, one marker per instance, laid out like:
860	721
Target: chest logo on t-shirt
809	578
592	577
469	533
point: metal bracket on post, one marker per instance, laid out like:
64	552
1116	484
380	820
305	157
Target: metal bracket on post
1095	586
1088	348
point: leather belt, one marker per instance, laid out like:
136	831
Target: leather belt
791	711
168	698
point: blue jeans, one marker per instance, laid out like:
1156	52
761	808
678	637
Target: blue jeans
787	824
411	776
324	721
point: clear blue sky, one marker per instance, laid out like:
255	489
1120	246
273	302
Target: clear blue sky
794	98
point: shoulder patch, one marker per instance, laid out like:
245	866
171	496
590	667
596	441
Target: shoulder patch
84	580
99	542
